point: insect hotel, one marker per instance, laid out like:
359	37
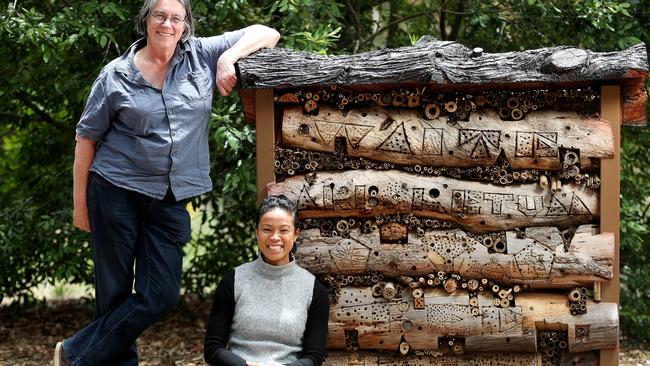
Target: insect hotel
462	206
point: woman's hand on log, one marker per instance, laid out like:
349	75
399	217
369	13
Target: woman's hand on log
226	75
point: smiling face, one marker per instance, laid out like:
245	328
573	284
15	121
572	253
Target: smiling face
275	236
166	24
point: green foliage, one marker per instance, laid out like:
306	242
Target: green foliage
635	234
53	50
225	237
46	52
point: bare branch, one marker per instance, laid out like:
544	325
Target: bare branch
443	23
455	28
387	26
43	114
357	26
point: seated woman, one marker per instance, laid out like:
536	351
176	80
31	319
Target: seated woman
269	311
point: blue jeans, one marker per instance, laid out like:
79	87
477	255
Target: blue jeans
137	244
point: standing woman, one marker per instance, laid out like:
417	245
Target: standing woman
142	152
269	311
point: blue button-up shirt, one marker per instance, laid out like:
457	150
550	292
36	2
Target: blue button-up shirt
152	139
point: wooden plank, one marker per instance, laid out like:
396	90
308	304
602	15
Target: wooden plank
405	137
265	146
475	206
610	201
533	260
381	324
438	62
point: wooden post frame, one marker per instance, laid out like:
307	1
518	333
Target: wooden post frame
610	190
265	137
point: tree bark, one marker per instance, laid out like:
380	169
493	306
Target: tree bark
439	62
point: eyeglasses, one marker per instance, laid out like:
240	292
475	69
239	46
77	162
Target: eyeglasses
161	18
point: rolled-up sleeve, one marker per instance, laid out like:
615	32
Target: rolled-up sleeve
212	47
99	112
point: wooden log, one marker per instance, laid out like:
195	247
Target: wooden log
429	358
600	251
378	322
439	62
540	260
635	101
475	206
247	98
405	137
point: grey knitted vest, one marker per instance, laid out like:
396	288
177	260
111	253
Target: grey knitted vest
271	304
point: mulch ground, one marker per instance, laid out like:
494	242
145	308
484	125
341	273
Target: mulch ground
28	336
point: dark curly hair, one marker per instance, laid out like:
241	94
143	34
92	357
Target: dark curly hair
281	202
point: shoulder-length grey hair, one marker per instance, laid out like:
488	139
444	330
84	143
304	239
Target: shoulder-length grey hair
145	13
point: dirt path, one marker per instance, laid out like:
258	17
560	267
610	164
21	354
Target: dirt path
27	337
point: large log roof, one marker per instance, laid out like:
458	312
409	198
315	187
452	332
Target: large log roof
448	65
440	62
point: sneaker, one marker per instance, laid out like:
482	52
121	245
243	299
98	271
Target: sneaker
59	356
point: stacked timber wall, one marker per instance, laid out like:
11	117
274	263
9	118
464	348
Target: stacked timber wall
452	228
